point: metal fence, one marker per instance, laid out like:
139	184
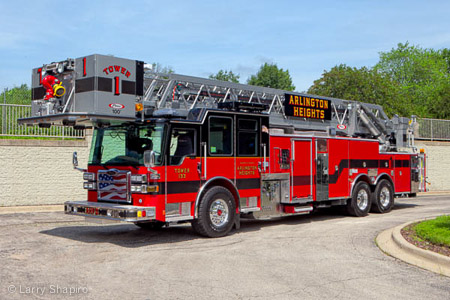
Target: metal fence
428	129
9	113
433	129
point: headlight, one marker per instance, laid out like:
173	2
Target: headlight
141	178
60	67
90	185
89	176
136	188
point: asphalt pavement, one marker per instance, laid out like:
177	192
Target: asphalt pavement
49	255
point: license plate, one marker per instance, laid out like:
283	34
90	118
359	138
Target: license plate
91	211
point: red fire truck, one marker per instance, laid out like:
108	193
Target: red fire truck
170	148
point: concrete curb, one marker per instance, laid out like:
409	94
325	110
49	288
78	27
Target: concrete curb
28	209
433	193
392	242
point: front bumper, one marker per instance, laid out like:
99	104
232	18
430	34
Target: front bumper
110	211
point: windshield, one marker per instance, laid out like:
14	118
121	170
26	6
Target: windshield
125	145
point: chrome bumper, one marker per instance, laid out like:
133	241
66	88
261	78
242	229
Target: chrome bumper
110	211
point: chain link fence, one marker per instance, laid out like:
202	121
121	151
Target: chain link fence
9	113
432	129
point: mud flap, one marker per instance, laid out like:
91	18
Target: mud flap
237	221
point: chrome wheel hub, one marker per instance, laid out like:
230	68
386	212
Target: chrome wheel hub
385	197
218	212
362	199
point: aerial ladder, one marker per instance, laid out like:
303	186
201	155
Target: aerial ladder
180	94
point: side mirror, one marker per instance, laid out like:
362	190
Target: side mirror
149	158
149	163
75	160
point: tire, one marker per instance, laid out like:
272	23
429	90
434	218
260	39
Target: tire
383	197
360	203
157	225
216	213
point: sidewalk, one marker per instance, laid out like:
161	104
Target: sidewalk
433	193
34	208
392	242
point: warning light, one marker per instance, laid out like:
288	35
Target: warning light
139	107
422	150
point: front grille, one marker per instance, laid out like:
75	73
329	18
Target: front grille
114	186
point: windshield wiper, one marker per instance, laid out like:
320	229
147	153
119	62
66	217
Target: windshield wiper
104	166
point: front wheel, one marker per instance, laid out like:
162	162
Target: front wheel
359	204
216	213
383	197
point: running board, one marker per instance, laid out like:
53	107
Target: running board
249	209
303	209
298	209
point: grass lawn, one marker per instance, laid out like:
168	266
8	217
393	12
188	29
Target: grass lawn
436	231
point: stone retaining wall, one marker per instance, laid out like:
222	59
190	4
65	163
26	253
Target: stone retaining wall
37	172
438	164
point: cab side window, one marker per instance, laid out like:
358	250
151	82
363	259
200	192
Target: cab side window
182	144
248	138
220	136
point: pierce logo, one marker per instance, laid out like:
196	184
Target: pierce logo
117	106
341	127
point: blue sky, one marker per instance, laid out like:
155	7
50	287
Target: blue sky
200	37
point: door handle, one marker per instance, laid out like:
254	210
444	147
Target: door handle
204	160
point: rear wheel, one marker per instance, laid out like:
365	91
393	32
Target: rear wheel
359	204
216	213
383	197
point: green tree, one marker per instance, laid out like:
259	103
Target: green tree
363	84
225	75
407	80
440	109
446	55
17	95
269	75
422	75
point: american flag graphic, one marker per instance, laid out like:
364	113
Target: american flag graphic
112	187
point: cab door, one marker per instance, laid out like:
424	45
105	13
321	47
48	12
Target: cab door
218	148
249	156
182	179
